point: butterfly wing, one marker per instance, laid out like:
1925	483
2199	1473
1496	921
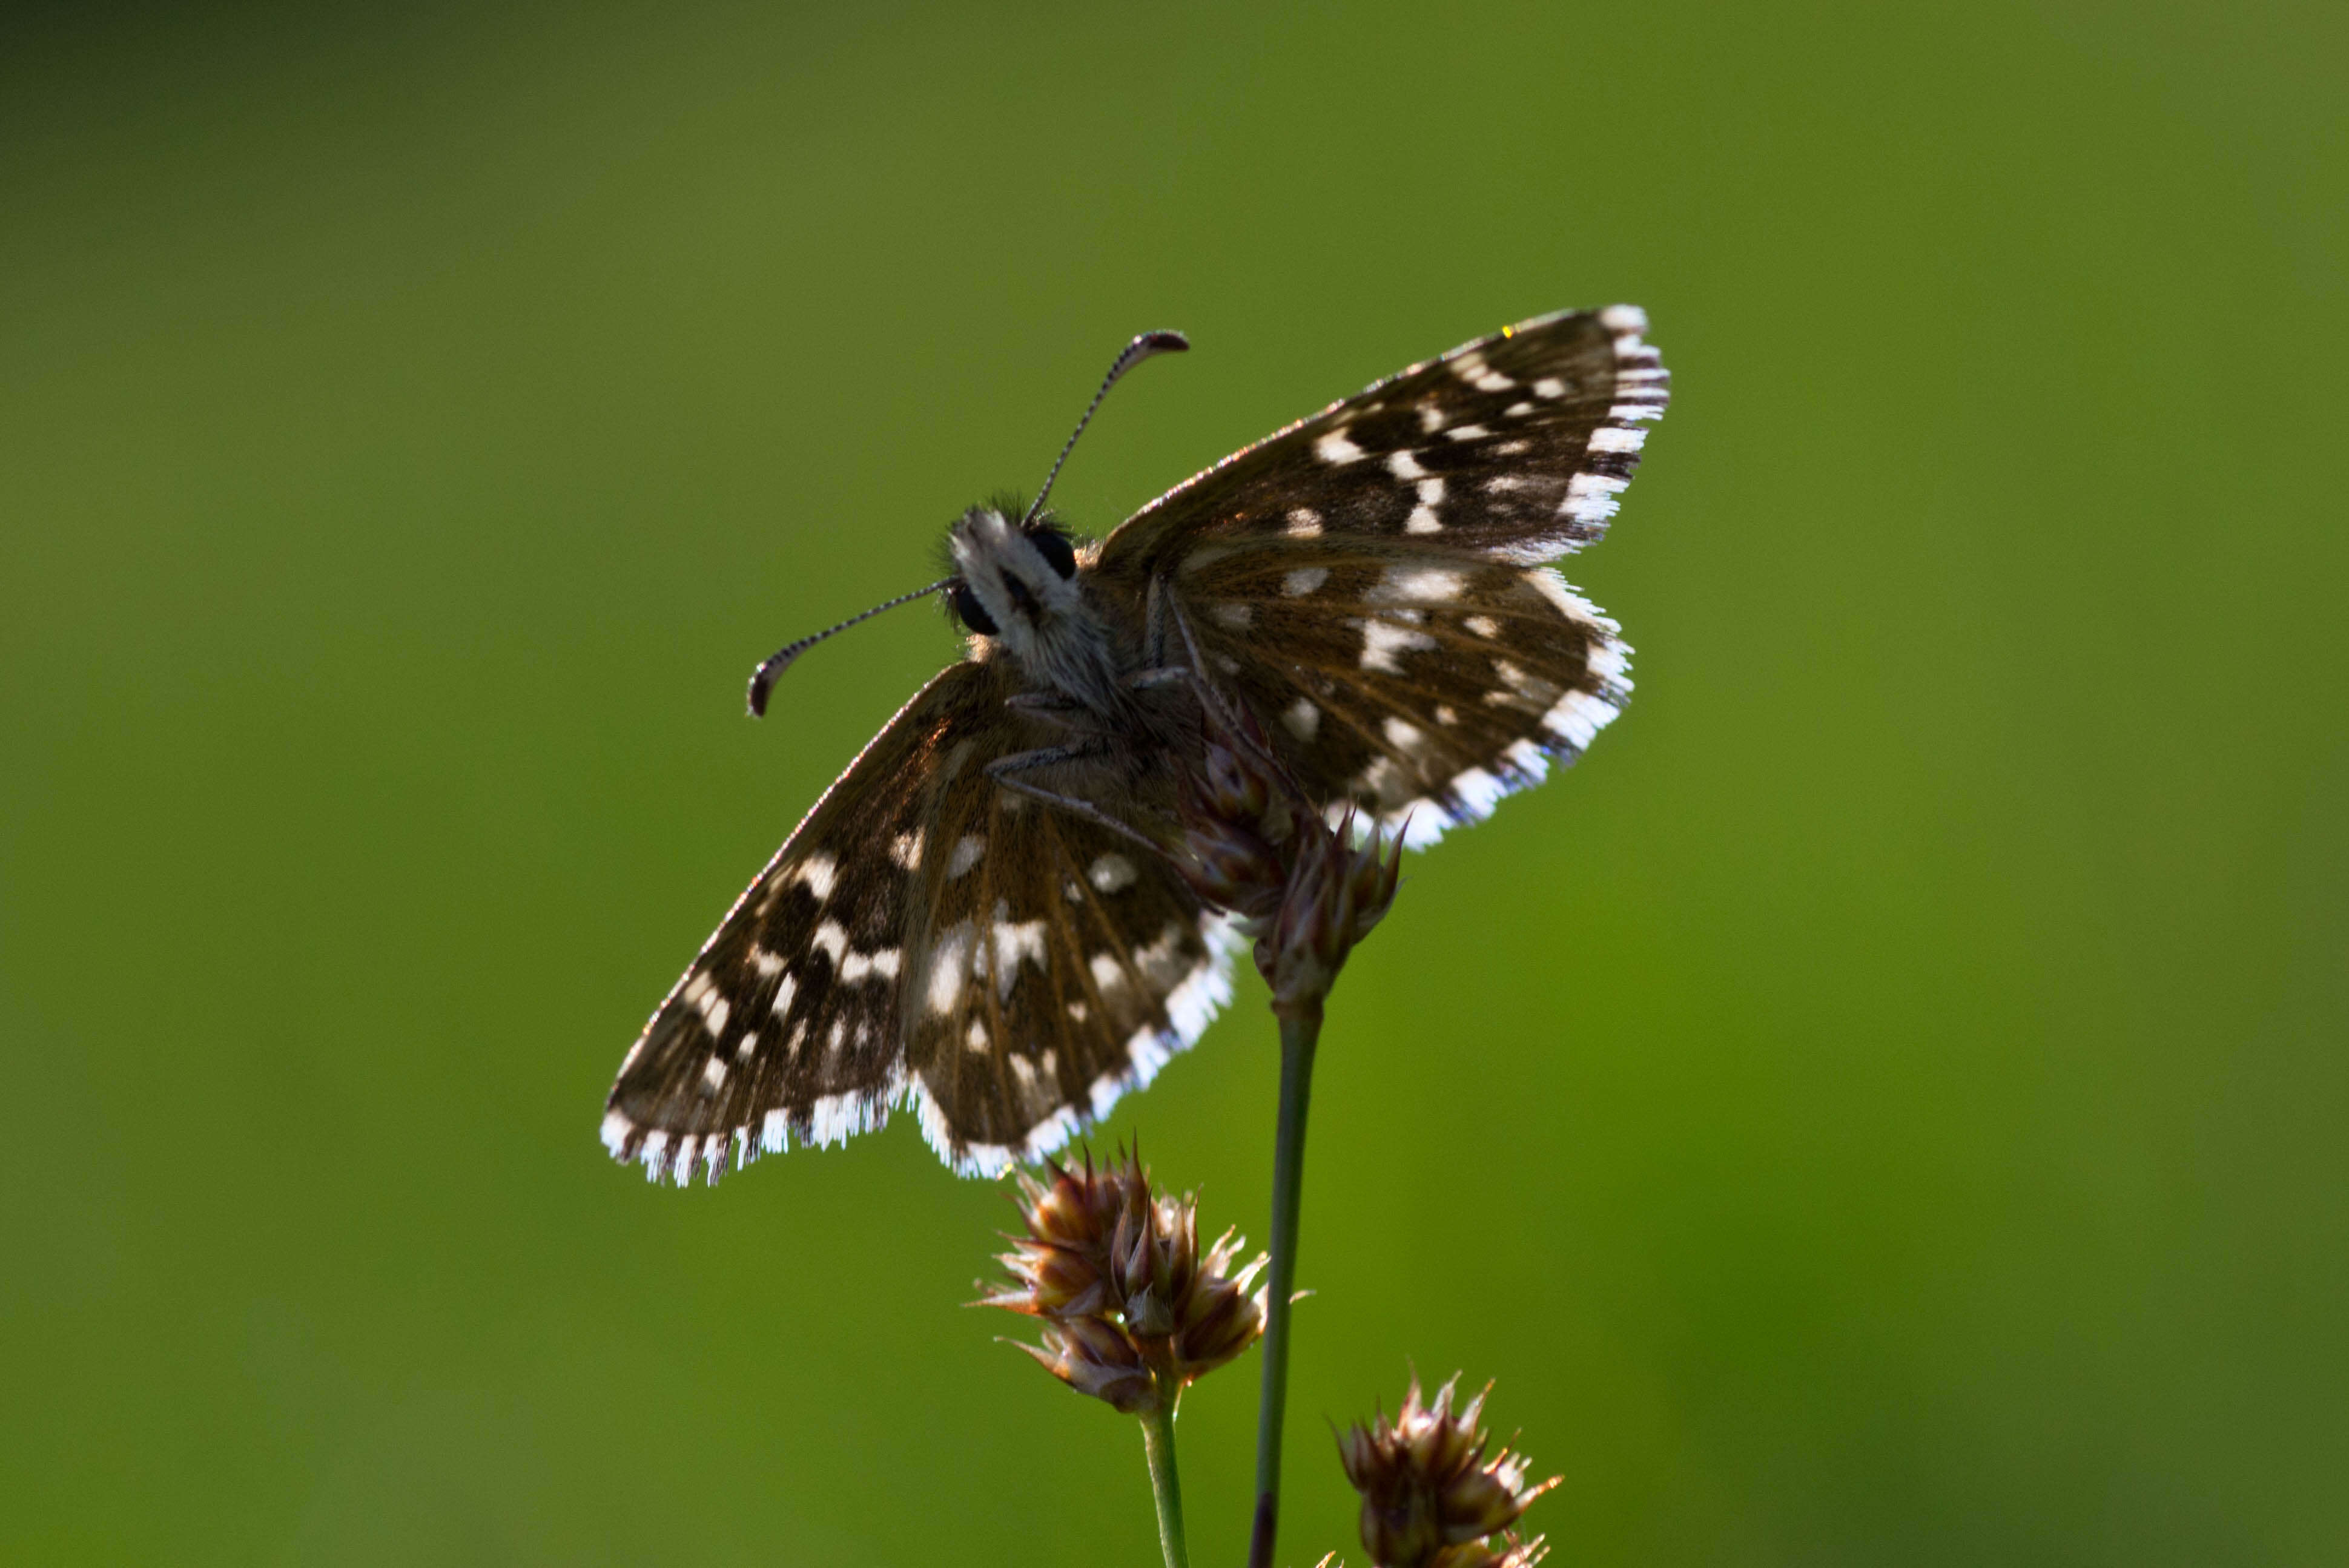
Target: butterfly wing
1371	579
1061	965
921	941
785	1026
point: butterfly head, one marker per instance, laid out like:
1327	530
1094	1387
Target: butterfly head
1014	582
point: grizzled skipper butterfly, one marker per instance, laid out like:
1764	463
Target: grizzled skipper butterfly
978	921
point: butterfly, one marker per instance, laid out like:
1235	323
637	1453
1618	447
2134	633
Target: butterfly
977	922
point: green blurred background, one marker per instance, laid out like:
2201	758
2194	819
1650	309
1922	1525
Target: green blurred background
1887	1106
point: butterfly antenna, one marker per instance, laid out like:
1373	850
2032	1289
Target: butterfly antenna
1140	349
762	679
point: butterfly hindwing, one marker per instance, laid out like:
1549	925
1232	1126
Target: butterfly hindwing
1418	686
1370	579
930	940
1063	965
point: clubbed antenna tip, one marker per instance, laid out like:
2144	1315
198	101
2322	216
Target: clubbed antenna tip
762	679
1148	346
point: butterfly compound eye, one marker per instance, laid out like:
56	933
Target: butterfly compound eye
972	612
1056	550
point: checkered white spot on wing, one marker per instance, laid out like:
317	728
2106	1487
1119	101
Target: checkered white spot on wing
1513	448
1371	579
785	1026
1060	965
1421	688
926	940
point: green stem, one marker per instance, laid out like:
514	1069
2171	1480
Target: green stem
1166	1485
1300	1031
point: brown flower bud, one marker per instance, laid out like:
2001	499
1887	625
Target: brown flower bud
1255	845
1136	1310
1337	891
1061	1265
1090	1356
1430	1497
1239	815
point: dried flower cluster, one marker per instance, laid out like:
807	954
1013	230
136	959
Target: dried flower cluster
1306	889
1430	1497
1134	1310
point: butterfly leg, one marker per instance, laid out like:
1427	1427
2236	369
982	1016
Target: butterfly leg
1003	768
1153	621
1049	707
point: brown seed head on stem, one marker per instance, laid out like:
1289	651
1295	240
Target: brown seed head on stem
1430	1497
1133	1309
1304	888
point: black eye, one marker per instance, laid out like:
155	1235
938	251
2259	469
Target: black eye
1057	551
973	613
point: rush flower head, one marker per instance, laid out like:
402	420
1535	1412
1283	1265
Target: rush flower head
1430	1497
1061	1267
1133	1309
1306	889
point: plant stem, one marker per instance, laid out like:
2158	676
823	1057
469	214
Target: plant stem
1166	1485
1300	1031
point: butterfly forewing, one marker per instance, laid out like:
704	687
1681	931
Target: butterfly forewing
1368	579
784	1026
925	939
1513	447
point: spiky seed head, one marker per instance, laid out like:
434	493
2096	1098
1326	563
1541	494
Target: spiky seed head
1239	816
1337	891
1430	1497
1061	1265
1135	1309
1093	1356
1306	889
